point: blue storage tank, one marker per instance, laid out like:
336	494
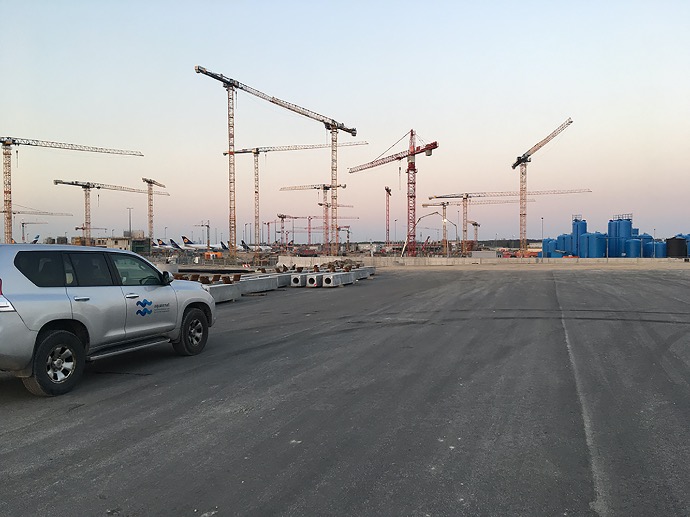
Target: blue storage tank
552	253
660	250
614	250
648	249
597	245
583	246
565	243
545	248
635	232
625	228
633	248
579	229
613	228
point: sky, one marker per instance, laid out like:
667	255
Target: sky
486	80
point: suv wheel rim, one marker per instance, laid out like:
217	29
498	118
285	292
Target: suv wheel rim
196	332
60	364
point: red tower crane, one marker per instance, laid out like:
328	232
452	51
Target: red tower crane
330	124
410	154
9	141
522	162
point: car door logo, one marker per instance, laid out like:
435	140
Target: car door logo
144	307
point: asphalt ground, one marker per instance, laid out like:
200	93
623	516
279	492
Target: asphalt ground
446	392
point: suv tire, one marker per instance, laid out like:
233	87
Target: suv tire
58	364
193	333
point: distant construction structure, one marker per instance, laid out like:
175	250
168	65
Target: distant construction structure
9	141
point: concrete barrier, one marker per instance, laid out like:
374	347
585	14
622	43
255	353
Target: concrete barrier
315	279
363	272
224	292
257	284
298	279
337	279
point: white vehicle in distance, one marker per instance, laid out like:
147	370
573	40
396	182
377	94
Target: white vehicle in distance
61	306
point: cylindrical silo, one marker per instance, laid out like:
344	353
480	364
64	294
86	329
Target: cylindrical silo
633	248
659	249
579	228
565	243
647	251
583	246
625	228
552	249
614	250
597	245
677	247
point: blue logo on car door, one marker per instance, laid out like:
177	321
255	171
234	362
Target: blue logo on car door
144	307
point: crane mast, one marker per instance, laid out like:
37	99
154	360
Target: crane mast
9	141
149	190
26	223
330	124
522	162
410	154
388	212
86	187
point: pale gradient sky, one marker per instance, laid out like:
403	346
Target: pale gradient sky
486	79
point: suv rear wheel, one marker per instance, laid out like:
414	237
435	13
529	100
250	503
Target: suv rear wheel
58	364
193	334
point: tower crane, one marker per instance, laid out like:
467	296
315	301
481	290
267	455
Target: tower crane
282	218
388	220
465	196
522	162
31	211
207	225
258	150
410	154
149	190
324	188
330	124
9	141
87	186
465	202
26	223
476	231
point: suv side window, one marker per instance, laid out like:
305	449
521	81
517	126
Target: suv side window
134	271
90	269
43	268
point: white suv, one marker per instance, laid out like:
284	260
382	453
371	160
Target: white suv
61	306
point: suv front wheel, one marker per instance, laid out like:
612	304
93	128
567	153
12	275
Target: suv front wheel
193	333
58	364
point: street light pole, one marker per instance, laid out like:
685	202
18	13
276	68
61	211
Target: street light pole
542	240
129	208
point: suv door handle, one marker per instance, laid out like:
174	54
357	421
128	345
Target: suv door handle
132	295
81	298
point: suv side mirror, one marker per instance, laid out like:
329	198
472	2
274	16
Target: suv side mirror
167	278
